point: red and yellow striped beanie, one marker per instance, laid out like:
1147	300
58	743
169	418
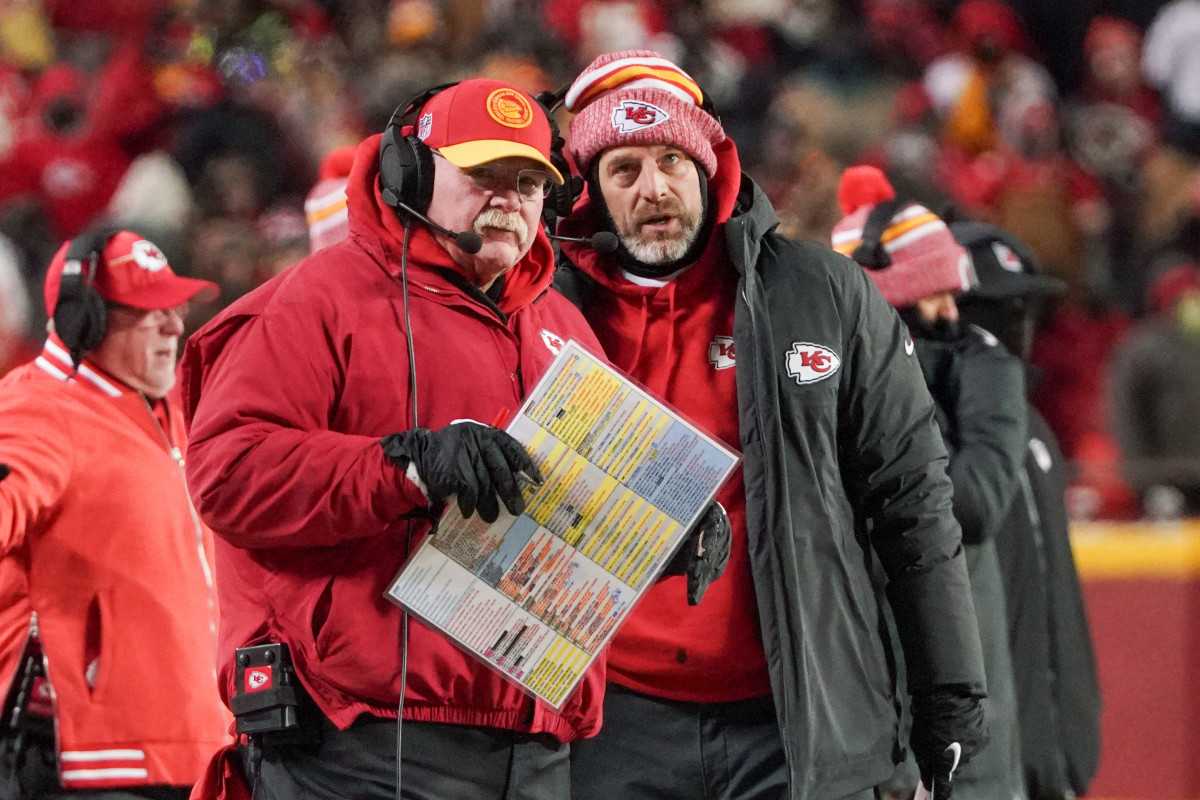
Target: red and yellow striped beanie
637	97
925	257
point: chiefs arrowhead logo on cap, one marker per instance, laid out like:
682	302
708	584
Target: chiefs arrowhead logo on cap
632	116
1006	257
147	256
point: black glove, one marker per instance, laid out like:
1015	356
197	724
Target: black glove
948	729
469	460
704	552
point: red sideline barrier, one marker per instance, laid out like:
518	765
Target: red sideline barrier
1141	583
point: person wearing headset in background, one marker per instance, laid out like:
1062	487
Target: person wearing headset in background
978	387
100	542
336	409
781	684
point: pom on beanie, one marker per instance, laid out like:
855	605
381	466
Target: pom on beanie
925	258
637	97
861	186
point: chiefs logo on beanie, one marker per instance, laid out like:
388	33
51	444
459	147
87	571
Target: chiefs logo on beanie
637	97
924	257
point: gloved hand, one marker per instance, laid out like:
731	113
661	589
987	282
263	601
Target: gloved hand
948	729
704	552
469	460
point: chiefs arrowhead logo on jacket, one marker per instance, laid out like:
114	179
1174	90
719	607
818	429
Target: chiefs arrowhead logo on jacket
809	363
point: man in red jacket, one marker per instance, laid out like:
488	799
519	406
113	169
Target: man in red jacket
335	410
102	559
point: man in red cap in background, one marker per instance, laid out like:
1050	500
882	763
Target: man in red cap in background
335	410
782	683
102	550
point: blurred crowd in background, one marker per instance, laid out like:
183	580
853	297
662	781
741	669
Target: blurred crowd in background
204	124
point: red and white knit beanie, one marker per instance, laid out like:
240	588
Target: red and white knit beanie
925	258
637	97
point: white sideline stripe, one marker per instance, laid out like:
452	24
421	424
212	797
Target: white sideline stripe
104	755
103	774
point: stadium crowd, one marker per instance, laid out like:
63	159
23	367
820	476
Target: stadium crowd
204	125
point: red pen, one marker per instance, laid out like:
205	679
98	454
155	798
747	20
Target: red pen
500	418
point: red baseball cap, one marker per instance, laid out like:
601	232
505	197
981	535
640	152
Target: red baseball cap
133	272
481	120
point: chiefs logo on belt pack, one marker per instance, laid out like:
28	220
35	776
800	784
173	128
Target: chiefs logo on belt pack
554	343
809	363
721	352
632	116
257	679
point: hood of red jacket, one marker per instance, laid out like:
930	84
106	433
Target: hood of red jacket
370	216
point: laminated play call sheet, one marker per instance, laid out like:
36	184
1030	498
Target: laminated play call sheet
537	597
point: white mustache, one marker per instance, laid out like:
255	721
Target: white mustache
502	220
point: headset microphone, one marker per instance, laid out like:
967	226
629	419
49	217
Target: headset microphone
601	242
468	241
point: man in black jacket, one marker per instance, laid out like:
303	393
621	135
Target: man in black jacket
1057	690
782	684
979	389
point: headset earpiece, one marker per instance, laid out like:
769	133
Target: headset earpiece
80	313
870	253
405	171
405	163
562	197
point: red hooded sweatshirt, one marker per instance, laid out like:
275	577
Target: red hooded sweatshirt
677	340
289	392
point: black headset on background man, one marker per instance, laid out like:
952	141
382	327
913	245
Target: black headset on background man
80	313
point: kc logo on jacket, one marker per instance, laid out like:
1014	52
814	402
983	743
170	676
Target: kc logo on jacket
720	352
632	116
809	363
554	343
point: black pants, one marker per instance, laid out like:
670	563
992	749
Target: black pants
655	749
440	761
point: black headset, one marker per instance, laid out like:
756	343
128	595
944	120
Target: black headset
406	163
80	313
870	253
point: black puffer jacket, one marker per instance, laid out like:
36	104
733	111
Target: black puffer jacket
847	501
980	391
1058	694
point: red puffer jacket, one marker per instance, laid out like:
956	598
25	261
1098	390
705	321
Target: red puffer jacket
289	392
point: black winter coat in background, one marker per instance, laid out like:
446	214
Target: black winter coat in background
980	392
1058	694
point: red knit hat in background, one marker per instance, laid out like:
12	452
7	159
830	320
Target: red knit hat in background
925	258
637	97
325	206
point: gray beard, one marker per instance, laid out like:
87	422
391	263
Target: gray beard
660	251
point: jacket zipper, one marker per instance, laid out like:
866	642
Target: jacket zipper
176	455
